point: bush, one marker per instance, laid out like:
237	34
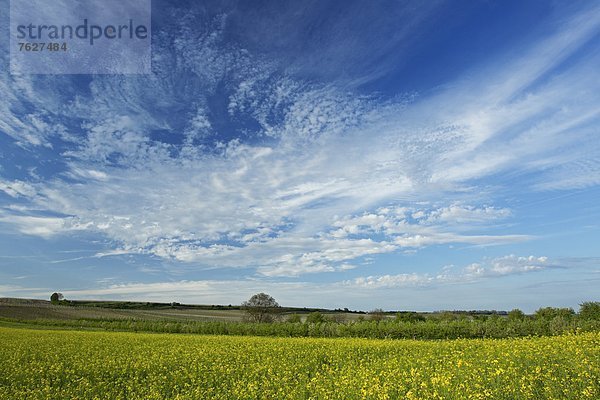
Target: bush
590	310
294	318
315	318
549	313
516	315
411	317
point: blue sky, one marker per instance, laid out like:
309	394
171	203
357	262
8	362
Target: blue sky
403	155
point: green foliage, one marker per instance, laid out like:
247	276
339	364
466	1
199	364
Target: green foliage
409	317
294	318
447	316
318	326
516	315
315	317
590	310
337	318
549	313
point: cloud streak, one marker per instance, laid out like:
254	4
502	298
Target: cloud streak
490	268
264	170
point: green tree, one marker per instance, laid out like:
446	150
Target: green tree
549	313
446	316
409	316
516	315
261	308
55	298
315	318
590	310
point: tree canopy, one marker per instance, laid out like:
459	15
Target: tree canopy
261	307
56	297
590	310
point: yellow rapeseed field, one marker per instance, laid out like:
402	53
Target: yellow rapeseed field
54	364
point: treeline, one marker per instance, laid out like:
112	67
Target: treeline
545	322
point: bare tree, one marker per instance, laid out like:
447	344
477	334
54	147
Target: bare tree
261	308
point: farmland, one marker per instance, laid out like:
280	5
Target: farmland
296	322
43	364
24	309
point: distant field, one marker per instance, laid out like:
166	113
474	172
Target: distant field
62	312
43	364
44	310
38	309
292	322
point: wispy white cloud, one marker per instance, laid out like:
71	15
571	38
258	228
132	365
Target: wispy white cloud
387	281
39	226
17	291
507	265
17	188
489	268
458	214
328	177
208	292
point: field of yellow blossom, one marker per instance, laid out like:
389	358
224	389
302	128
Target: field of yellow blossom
56	364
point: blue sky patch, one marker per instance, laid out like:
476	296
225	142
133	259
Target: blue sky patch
402	155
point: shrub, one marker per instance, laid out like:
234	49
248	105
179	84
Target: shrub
590	310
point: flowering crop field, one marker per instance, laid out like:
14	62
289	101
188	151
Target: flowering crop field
56	364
